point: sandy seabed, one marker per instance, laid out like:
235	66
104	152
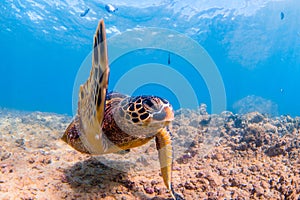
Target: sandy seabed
224	156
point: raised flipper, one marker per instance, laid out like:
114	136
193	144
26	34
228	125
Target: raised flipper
164	147
91	104
87	125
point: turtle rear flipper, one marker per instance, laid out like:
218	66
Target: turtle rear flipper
164	148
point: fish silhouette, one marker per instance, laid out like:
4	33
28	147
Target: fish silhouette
110	8
281	15
86	11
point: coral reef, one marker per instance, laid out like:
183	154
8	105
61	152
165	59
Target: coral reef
254	103
226	156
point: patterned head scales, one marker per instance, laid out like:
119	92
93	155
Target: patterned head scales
144	114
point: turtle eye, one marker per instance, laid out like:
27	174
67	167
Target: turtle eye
164	101
148	102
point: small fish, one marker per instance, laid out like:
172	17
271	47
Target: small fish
110	8
281	15
169	59
86	11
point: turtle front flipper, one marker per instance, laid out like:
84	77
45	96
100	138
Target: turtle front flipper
92	94
91	102
164	148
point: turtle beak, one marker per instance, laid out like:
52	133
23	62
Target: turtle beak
169	115
165	114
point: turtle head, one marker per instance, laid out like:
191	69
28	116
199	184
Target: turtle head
147	113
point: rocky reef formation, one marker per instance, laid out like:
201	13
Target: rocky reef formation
226	156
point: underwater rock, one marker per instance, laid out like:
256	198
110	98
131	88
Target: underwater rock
149	190
275	150
204	120
254	103
202	109
239	122
227	115
254	117
20	142
4	155
226	156
269	128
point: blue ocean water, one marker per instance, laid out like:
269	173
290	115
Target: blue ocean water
254	44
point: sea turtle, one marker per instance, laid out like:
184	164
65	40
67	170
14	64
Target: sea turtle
113	122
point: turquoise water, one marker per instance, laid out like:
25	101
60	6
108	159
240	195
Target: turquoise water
255	46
